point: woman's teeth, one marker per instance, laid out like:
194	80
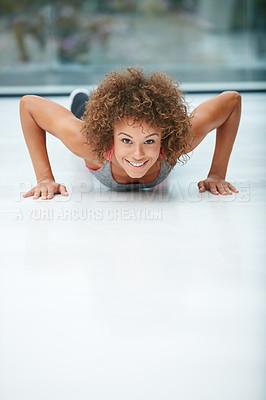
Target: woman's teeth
136	164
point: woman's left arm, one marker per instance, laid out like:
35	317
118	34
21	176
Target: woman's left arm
223	114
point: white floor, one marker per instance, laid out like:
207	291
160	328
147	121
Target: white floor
156	295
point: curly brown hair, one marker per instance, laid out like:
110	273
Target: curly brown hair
155	98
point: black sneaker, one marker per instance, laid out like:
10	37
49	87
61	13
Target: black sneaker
77	100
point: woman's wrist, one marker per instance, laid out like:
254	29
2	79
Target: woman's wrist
45	179
220	174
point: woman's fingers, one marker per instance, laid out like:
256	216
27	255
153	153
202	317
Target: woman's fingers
232	188
222	189
63	190
28	194
228	191
46	191
50	194
213	188
37	193
201	186
217	186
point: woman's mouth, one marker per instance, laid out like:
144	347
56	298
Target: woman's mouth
137	165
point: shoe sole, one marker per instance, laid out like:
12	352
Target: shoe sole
74	93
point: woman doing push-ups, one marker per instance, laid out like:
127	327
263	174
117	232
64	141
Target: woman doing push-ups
130	131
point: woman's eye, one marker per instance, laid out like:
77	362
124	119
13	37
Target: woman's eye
150	140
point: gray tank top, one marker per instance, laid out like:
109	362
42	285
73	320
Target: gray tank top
104	175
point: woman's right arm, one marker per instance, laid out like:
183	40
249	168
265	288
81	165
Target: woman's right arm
38	116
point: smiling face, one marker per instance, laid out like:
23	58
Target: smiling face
136	146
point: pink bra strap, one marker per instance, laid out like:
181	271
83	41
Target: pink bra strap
110	154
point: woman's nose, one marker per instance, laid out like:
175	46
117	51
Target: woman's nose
138	151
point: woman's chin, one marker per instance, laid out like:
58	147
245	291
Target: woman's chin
136	172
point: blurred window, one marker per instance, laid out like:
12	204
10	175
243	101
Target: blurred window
74	43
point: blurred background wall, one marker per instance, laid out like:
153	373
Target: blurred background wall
76	42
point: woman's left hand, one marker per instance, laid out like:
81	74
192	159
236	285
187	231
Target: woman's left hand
216	185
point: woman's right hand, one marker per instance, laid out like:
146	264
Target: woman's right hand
46	189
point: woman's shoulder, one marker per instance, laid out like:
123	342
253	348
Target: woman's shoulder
93	164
